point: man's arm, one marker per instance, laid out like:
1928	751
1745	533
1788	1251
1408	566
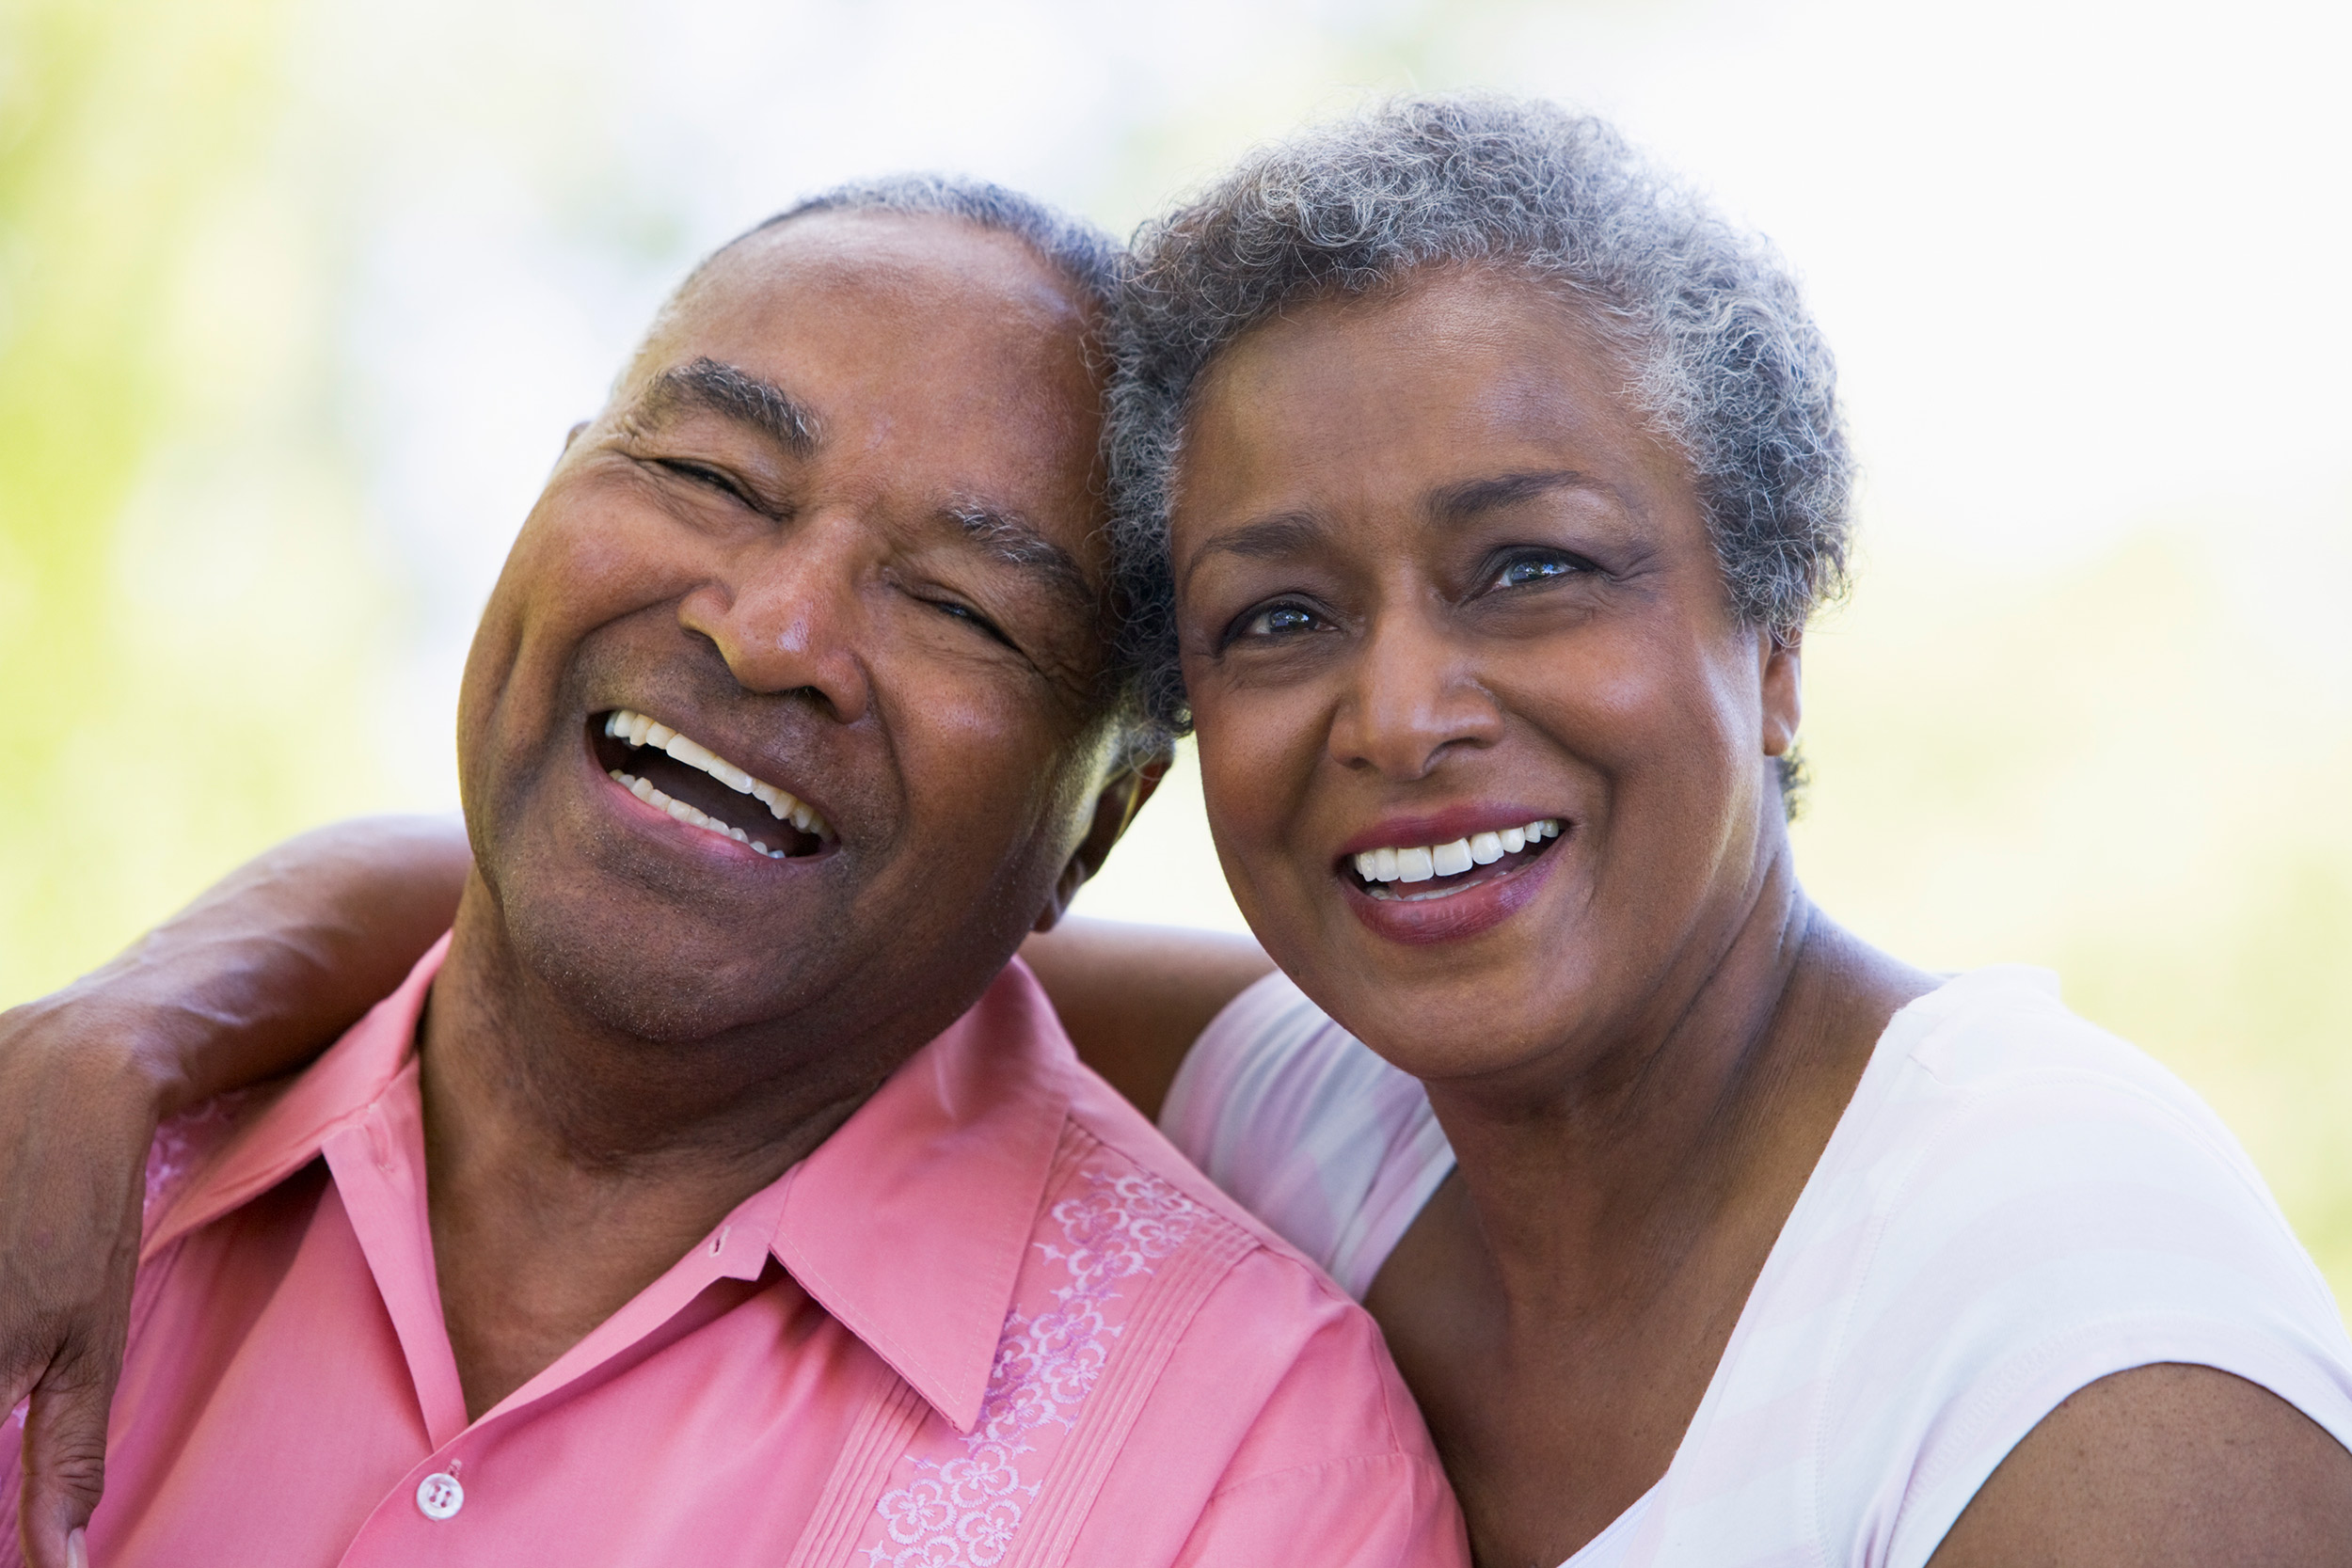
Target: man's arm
2178	1465
1134	998
253	979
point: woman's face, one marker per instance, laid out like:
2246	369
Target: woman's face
1437	580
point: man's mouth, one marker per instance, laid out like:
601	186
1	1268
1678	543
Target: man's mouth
695	784
1410	874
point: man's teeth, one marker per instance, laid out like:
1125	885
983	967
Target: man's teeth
639	730
688	815
1451	860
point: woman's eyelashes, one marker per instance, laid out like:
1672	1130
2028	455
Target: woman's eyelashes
1534	569
1277	622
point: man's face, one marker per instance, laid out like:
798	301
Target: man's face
838	527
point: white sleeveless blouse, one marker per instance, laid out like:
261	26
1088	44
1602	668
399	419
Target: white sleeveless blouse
2015	1204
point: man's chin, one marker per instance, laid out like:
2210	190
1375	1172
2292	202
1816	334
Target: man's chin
670	981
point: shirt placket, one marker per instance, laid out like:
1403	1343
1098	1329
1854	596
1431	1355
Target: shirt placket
377	1164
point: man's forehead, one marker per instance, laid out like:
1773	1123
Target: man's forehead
884	259
956	349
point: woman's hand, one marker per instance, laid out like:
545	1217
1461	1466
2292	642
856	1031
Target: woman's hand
250	982
77	1111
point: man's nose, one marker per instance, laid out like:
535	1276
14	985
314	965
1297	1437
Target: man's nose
788	614
1412	698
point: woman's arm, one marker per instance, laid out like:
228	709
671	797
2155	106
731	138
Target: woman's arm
1134	998
250	981
2169	1464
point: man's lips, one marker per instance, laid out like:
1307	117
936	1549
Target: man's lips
693	784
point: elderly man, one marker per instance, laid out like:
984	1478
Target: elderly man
715	1193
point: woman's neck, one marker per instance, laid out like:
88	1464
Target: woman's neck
1561	1306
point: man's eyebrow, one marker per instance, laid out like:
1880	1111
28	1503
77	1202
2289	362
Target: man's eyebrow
734	394
1014	540
1465	501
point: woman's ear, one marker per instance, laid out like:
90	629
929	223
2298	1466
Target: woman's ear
1781	671
1114	809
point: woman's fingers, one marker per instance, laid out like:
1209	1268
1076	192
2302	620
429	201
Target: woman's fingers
75	1123
65	1455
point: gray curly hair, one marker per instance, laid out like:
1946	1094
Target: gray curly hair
1723	354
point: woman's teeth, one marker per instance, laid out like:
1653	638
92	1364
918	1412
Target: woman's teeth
639	730
1451	860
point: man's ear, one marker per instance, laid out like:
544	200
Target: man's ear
1122	797
1781	669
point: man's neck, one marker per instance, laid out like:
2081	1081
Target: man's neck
568	1166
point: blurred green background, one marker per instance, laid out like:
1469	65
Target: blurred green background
298	297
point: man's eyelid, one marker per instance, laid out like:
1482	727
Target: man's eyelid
925	588
964	610
715	476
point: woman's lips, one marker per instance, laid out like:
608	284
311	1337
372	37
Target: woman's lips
1447	907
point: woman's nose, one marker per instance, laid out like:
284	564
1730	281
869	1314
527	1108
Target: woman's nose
790	616
1413	696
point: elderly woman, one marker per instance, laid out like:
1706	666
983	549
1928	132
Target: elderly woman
1478	485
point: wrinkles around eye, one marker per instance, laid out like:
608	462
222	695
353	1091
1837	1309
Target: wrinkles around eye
708	478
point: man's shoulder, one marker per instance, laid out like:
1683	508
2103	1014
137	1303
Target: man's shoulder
1112	1137
1268	1388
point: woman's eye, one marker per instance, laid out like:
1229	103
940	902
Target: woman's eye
1278	620
1519	572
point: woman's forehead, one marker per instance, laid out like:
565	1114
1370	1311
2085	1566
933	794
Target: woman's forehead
1455	368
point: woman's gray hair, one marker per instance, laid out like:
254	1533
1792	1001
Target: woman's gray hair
1723	355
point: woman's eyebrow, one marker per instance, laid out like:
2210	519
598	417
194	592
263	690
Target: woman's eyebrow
1270	538
1461	501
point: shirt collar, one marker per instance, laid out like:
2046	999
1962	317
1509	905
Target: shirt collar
909	1225
288	1133
911	1222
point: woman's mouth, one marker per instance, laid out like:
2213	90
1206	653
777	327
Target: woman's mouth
1418	872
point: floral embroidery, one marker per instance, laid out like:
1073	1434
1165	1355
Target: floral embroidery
964	1513
184	1143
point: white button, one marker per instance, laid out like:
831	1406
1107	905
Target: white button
439	1496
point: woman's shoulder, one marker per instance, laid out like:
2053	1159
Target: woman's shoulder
1308	1128
2017	1203
1995	1103
2007	1030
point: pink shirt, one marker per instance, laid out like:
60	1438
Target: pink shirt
994	1320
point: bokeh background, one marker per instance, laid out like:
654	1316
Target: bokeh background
297	298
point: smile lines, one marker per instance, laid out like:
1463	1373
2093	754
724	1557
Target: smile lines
1450	860
639	731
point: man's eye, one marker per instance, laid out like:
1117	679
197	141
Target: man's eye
971	617
704	475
